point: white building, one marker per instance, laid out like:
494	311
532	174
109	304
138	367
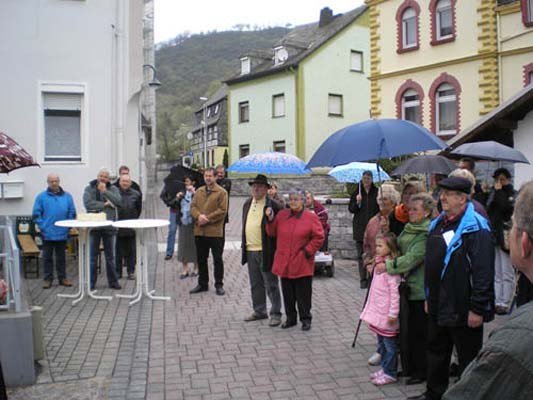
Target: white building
72	79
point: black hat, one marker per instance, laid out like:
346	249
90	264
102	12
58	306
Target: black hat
456	183
260	179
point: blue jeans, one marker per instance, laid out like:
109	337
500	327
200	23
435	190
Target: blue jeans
171	238
388	349
108	237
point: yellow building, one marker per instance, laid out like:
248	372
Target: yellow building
445	63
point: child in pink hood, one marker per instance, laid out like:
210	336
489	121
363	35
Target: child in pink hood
382	309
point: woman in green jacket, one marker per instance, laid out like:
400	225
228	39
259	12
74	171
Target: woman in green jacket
413	324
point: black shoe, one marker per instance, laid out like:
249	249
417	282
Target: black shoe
131	277
364	284
306	325
419	397
288	324
115	286
220	291
167	258
198	289
415	381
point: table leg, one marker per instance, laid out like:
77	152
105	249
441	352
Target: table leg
88	270
81	271
147	292
136	296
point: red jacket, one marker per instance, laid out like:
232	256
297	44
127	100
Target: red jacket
299	236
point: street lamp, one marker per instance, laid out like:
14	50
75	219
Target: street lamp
154	83
204	122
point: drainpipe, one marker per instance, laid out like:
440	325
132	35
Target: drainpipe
500	73
120	64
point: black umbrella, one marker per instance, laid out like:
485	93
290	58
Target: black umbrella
490	150
426	164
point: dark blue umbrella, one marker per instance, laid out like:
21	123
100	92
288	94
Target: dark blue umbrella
374	140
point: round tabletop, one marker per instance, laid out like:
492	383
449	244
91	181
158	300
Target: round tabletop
74	223
141	223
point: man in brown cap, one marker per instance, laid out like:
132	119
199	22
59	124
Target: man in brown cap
459	284
258	252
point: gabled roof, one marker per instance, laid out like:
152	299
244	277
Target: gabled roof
503	118
305	39
219	95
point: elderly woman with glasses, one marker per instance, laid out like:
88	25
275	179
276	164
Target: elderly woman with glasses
299	234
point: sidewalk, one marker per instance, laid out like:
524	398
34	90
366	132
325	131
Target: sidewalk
197	347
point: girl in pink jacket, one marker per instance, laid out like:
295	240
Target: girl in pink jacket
382	309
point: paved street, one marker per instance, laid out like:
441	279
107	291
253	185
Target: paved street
197	347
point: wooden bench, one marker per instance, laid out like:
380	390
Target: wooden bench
30	251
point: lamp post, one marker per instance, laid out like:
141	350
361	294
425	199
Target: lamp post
204	99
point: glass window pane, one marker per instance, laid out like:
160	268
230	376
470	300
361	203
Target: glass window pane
410	32
335	104
412	114
278	105
447	116
530	10
62	135
356	61
445	22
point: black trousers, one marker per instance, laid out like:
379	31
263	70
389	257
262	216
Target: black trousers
363	275
416	339
297	292
216	245
49	249
441	340
126	254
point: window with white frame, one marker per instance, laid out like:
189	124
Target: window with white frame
411	106
280	55
244	150
279	146
356	61
529	10
444	19
446	110
245	65
335	105
409	28
278	105
529	78
217	108
62	114
244	111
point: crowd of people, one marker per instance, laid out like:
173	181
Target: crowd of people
437	265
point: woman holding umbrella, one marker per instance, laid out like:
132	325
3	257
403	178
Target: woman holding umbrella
410	265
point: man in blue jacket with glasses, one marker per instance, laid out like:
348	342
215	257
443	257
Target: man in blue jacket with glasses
52	205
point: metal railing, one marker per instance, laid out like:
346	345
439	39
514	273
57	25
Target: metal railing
10	262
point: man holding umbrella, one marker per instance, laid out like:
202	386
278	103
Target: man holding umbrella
363	205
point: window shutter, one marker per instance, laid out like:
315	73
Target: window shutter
62	101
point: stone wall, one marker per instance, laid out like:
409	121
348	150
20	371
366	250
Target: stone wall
318	184
341	243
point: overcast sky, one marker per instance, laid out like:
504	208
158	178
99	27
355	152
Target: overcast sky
176	16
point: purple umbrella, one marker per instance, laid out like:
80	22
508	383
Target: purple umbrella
13	156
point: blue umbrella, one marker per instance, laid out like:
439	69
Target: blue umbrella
353	172
270	163
374	140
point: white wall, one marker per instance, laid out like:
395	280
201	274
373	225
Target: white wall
73	43
523	141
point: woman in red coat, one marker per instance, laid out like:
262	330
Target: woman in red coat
299	235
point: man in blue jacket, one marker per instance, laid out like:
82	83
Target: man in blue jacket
459	284
52	205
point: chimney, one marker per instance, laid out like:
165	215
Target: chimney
326	16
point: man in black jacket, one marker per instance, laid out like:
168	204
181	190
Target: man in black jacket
459	284
131	209
125	170
363	205
258	252
172	193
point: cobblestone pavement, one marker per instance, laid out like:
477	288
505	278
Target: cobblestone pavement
198	347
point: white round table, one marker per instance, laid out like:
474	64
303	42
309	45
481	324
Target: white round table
84	260
140	226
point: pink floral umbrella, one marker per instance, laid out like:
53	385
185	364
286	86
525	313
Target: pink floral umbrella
13	156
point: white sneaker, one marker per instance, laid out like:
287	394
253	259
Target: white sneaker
375	359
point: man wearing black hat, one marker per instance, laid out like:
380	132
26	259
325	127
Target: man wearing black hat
258	252
459	284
